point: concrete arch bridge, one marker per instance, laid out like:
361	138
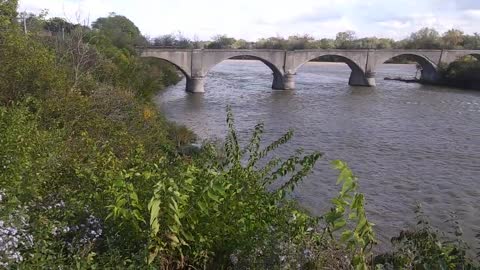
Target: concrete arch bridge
195	64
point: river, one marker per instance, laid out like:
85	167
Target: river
407	143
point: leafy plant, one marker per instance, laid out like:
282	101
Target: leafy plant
425	248
349	206
216	209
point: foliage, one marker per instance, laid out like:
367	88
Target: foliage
120	31
423	248
58	25
221	42
349	205
174	40
8	13
13	231
123	69
218	209
344	40
462	73
425	38
27	67
453	38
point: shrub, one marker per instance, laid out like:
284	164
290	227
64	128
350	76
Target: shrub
219	213
27	68
424	248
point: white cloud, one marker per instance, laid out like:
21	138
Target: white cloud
252	19
473	13
395	24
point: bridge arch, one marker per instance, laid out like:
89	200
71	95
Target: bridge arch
272	67
182	59
353	59
182	70
429	69
272	59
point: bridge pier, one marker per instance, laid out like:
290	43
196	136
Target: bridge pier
195	85
283	82
430	75
370	77
358	78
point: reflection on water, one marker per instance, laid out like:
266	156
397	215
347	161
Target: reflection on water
407	143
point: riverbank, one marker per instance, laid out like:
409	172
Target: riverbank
463	73
459	84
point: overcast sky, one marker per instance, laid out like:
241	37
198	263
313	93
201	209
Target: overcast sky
252	19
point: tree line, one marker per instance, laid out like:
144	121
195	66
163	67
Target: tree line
425	38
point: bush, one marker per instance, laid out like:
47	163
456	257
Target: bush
27	68
462	73
423	248
219	213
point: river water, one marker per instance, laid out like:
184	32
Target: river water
407	143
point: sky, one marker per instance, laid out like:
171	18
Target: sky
254	19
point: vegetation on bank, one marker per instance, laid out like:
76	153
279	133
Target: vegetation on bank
91	176
463	73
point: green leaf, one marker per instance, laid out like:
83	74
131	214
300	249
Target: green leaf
173	238
346	235
154	207
213	196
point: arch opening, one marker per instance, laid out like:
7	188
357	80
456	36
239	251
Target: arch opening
272	67
167	62
407	67
357	76
252	71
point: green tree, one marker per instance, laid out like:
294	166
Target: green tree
277	43
344	40
122	32
452	38
241	44
168	40
27	67
299	42
471	41
324	43
8	12
425	38
385	43
58	25
221	42
33	23
366	43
